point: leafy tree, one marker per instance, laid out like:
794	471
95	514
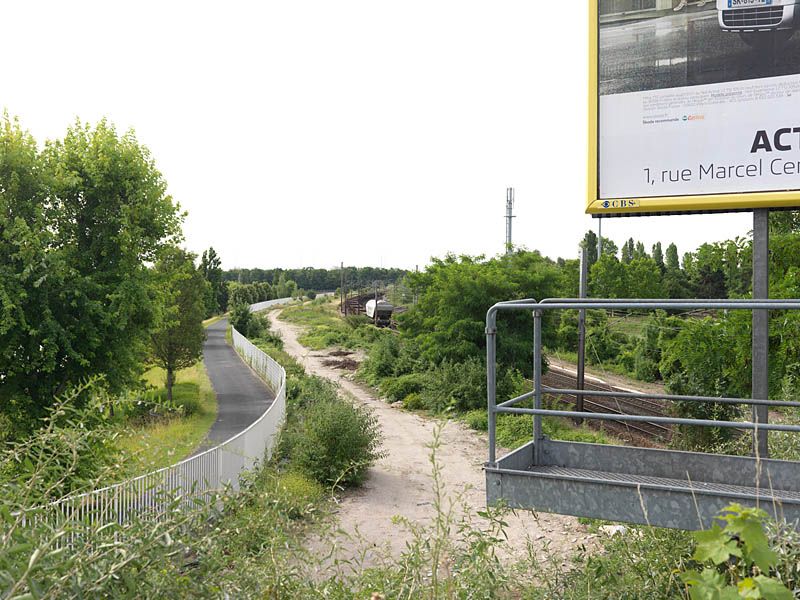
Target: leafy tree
643	278
658	256
217	295
627	251
609	247
241	317
178	341
639	251
673	264
608	278
590	243
33	339
448	321
784	221
81	221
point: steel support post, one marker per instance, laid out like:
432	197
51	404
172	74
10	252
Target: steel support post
538	436
491	382
760	327
581	334
599	237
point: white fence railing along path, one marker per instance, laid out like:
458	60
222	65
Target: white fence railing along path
195	477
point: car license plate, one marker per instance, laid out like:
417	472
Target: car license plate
748	3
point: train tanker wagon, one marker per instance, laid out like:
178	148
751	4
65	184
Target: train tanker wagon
759	22
380	311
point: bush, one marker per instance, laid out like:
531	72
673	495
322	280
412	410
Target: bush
414	402
311	294
240	318
477	420
297	494
397	388
334	442
271	338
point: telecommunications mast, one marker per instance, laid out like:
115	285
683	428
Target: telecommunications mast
509	216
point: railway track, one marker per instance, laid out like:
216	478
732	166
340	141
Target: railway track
652	432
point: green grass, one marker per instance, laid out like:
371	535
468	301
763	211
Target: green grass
323	326
632	326
161	443
212	320
607	366
514	431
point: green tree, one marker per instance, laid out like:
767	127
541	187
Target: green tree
658	256
627	251
672	258
33	338
609	247
448	321
217	295
590	243
178	341
81	222
639	251
608	278
643	279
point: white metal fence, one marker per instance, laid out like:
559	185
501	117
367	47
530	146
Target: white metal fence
196	477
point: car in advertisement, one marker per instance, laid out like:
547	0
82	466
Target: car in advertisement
759	21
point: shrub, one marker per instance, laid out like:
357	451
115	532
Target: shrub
414	402
272	338
462	386
311	294
477	420
736	561
397	388
297	494
382	360
240	318
334	442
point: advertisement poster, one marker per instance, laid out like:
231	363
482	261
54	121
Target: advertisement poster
697	99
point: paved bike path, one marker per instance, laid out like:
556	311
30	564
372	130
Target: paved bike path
242	396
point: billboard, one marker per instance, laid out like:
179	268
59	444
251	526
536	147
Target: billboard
694	106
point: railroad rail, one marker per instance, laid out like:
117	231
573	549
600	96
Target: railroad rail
558	377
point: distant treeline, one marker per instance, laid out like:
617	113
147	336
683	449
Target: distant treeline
309	278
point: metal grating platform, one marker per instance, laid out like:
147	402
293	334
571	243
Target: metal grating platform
665	488
699	487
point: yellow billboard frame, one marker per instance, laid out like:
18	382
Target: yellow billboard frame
629	207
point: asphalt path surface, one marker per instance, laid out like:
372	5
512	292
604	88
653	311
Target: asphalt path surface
242	396
685	49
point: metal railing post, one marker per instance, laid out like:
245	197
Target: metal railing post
760	381
581	377
491	382
538	436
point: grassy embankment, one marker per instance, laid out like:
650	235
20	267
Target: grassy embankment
151	442
162	441
324	328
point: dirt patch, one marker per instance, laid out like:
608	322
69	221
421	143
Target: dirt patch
340	353
346	364
401	484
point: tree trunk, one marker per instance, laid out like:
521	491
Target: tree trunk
170	382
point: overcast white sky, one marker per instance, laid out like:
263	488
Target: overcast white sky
303	133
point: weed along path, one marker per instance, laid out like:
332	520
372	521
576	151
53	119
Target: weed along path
401	483
241	396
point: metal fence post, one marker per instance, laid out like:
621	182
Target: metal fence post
491	381
537	386
760	389
581	334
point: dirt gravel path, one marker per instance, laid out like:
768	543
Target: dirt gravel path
400	484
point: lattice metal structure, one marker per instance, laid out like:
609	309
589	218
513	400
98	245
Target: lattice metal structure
666	488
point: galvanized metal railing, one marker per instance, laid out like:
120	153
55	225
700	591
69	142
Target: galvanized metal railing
195	478
538	412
